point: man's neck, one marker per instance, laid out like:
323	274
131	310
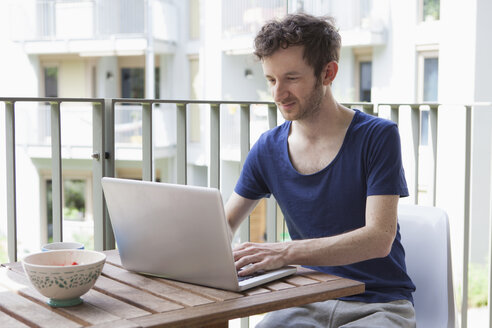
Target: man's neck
329	121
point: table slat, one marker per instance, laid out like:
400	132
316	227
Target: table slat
279	285
31	313
300	280
134	296
257	291
113	305
113	258
8	321
208	292
155	286
316	275
118	323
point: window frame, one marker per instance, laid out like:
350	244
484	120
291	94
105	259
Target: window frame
44	176
361	55
424	52
421	17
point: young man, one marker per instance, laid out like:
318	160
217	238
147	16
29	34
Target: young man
337	176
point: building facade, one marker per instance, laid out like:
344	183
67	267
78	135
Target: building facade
392	52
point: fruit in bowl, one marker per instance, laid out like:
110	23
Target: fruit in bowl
64	275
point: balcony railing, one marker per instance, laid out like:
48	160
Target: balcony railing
244	17
92	19
408	116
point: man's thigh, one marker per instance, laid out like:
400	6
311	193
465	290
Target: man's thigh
392	314
336	313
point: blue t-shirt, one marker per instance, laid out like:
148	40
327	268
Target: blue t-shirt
333	200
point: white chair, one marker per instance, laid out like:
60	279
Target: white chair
425	237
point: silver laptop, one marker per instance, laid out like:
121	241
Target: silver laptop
177	232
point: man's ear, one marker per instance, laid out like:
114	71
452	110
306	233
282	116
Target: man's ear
329	72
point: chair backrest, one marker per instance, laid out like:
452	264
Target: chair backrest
425	237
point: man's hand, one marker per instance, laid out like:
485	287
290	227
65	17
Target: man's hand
260	256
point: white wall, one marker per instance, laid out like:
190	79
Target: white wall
394	63
343	86
464	77
107	77
210	49
17	76
18	72
457	51
482	152
235	84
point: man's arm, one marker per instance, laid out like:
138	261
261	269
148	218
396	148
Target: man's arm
374	240
237	209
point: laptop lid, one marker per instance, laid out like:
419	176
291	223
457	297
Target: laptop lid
175	231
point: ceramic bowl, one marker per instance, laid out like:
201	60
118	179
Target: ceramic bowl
62	245
64	275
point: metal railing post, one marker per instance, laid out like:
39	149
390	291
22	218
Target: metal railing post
489	299
108	167
433	126
11	183
244	125
271	215
181	158
147	158
415	130
214	167
466	216
98	159
56	174
395	113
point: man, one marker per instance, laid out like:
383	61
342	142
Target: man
337	176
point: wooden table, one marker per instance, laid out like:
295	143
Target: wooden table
125	299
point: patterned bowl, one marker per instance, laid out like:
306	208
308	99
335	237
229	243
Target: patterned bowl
64	275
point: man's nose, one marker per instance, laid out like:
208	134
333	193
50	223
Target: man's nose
280	92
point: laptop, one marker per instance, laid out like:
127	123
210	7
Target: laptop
176	232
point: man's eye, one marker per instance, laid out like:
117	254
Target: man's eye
292	78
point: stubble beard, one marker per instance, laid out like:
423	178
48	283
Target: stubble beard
312	103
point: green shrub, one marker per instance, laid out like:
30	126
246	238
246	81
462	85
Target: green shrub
478	285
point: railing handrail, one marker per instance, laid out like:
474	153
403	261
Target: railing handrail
231	102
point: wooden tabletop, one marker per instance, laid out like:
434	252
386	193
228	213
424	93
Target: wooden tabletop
121	298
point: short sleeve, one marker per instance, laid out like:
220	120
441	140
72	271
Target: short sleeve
385	174
251	183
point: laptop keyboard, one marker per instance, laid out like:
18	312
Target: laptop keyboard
256	274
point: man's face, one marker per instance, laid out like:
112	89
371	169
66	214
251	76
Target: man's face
295	89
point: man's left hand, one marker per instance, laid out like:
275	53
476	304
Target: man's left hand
253	257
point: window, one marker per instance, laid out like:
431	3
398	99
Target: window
431	70
363	73
133	82
50	81
428	87
429	10
365	82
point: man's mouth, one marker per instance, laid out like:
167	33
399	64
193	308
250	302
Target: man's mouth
286	104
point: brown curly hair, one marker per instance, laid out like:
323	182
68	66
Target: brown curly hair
318	35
